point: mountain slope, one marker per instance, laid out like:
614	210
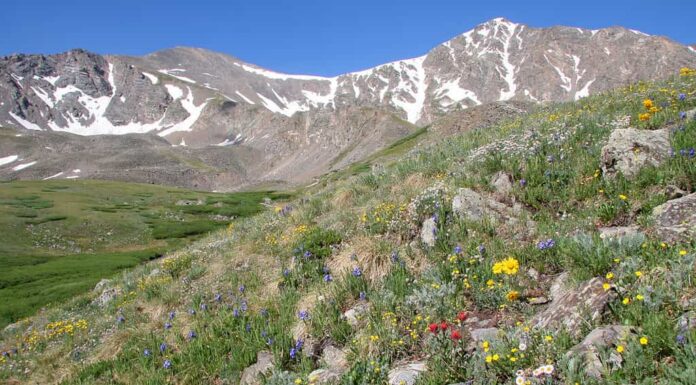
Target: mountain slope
294	125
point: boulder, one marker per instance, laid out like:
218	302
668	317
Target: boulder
473	206
629	149
573	306
354	315
599	339
106	293
336	365
502	182
406	373
675	220
619	232
324	376
428	232
263	365
484	334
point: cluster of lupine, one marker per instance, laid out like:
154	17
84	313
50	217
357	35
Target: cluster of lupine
546	244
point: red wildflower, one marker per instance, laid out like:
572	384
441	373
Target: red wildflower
462	316
443	325
433	327
456	335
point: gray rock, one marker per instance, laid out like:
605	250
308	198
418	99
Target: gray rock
502	182
324	376
619	232
428	232
485	334
263	365
473	206
406	373
559	285
599	339
674	192
101	285
628	150
573	306
334	358
675	220
106	293
354	315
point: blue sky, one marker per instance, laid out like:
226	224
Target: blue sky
326	37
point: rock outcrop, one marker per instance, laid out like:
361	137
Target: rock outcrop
629	149
675	220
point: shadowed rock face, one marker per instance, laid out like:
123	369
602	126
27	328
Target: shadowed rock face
296	126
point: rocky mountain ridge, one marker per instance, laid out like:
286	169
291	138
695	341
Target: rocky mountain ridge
198	98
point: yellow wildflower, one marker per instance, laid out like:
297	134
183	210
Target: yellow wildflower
643	340
508	266
606	286
626	301
512	295
620	349
610	275
648	104
682	252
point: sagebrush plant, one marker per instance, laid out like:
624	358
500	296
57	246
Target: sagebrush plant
265	283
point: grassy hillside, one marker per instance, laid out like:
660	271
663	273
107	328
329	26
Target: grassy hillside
60	237
282	281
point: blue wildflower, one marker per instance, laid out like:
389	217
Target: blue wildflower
293	353
303	315
167	325
120	319
167	364
363	296
147	353
357	272
482	249
243	305
681	339
163	347
242	288
286	272
204	307
247	327
682	97
172	314
545	245
523	182
682	115
192	311
235	312
192	334
269	341
327	278
457	249
307	254
218	298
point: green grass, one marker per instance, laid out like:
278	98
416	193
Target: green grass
69	234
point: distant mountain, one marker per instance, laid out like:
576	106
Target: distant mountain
293	127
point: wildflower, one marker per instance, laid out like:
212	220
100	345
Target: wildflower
490	283
147	353
443	326
242	288
204	307
522	346
167	364
489	358
456	335
548	369
610	275
167	325
682	115
172	314
192	311
120	319
298	381
548	338
462	316
481	249
512	295
496	357
640	297
643	340
681	339
620	349
626	301
163	347
523	182
638	274
519	380
328	278
286	272
682	97
485	345
457	249
192	334
606	286
218	298
547	244
362	296
644	117
648	104
682	252
623	197
357	272
508	266
303	315
293	353
374	338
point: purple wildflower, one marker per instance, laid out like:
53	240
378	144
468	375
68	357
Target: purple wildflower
363	296
163	347
303	315
523	182
167	364
167	325
172	314
192	334
120	319
293	353
457	249
357	272
147	353
327	278
545	245
235	312
682	97
682	115
681	339
242	288
269	341
243	306
286	272
307	254
218	298
482	249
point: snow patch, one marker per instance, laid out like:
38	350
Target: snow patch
23	166
278	75
72	177
607	51
182	78
43	95
174	91
153	78
454	93
317	100
244	97
639	32
508	68
8	159
228	142
585	91
566	82
53	176
411	81
193	111
25	123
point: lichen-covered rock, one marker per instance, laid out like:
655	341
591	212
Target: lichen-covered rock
573	306
629	149
336	365
618	232
502	182
597	340
473	206
675	220
354	315
106	293
406	373
263	365
428	232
